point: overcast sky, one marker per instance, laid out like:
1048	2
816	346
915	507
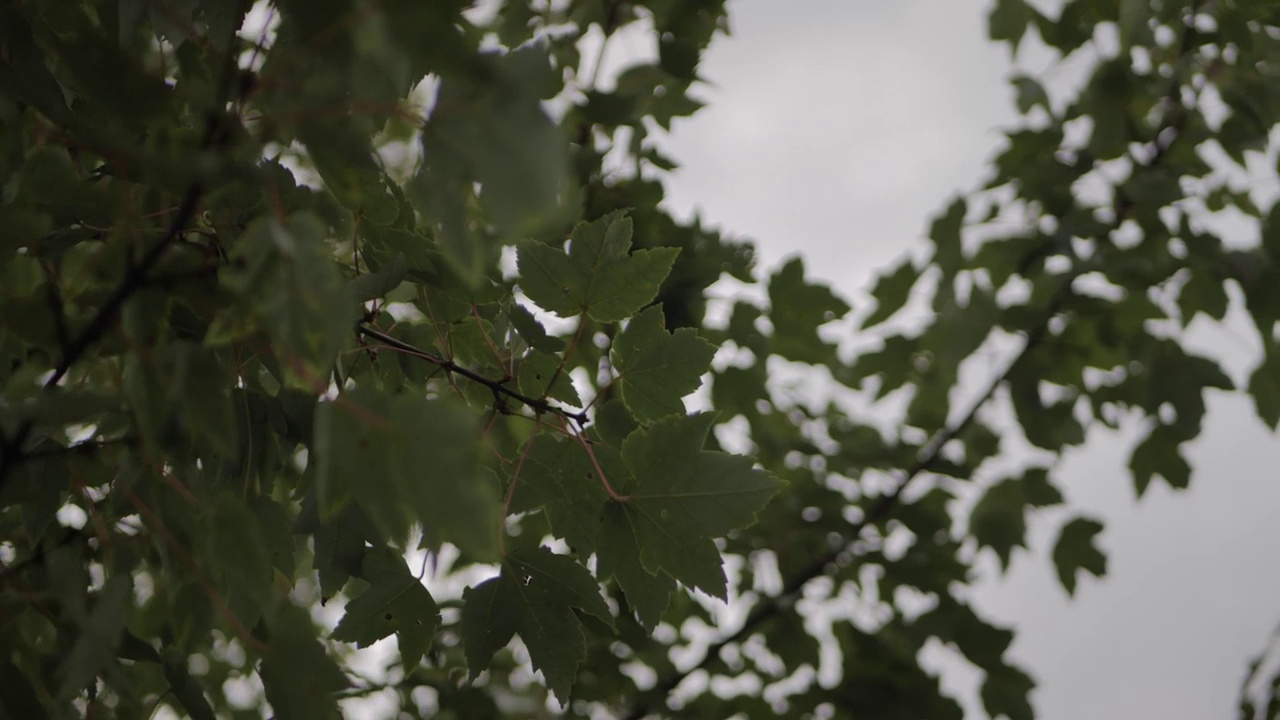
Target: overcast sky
835	129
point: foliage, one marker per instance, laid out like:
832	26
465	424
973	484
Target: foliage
277	314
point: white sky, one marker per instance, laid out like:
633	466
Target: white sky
835	130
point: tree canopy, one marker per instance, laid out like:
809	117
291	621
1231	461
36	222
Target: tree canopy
294	293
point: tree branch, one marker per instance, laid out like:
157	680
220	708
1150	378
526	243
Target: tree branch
498	387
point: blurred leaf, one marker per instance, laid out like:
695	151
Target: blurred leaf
1158	454
998	519
797	309
891	293
299	677
1075	551
423	456
1006	693
495	134
1008	21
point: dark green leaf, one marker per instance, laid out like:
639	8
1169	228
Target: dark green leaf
1264	386
95	646
1075	551
1008	21
1006	693
597	275
679	497
1158	454
797	309
407	460
395	602
891	293
534	596
656	368
299	677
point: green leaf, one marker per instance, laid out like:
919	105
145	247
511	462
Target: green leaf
1075	551
1107	101
395	602
1203	293
1006	693
618	553
299	677
273	521
95	646
797	309
541	375
488	622
186	689
891	293
679	497
1008	21
656	369
1135	24
535	595
1158	454
562	578
954	621
407	460
376	284
495	134
1264	386
1030	93
340	544
560	477
998	520
237	549
945	234
532	331
596	276
1270	233
297	291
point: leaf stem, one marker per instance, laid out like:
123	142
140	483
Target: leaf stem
595	462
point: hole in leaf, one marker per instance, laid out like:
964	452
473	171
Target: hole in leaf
387	616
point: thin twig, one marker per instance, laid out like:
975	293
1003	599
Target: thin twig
498	387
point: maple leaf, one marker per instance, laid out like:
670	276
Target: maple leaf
678	498
535	596
395	602
597	275
656	368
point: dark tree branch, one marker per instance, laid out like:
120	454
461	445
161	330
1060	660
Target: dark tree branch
499	387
